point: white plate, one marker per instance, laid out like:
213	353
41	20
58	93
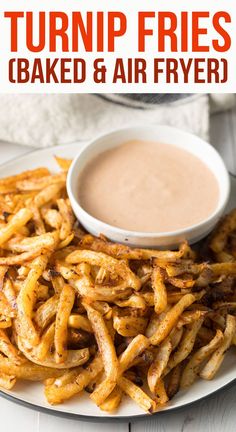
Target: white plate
80	406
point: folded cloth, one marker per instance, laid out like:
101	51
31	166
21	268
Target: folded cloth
43	120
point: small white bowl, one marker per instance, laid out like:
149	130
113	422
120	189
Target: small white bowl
163	134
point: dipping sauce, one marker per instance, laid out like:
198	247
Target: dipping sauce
148	187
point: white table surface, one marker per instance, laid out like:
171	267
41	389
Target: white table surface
216	414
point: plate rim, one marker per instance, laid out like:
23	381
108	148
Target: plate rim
116	419
85	417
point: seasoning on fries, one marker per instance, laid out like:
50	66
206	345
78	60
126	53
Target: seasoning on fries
80	313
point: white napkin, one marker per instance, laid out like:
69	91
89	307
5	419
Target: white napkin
41	120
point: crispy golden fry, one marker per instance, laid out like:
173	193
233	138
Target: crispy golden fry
43	242
159	364
56	395
174	381
15	260
67	216
64	243
28	370
194	364
124	252
79	322
110	264
181	283
170	319
128	325
190	317
37	217
46	342
10	295
46	312
85	288
137	394
176	336
7	381
36	173
213	364
64	164
136	347
186	345
74	358
66	302
8	349
113	400
47	194
5	307
108	353
134	301
160	294
40	183
18	220
26	300
52	217
154	324
185	267
160	393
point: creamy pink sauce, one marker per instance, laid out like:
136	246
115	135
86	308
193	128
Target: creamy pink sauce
149	187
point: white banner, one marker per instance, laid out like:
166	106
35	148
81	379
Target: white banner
91	46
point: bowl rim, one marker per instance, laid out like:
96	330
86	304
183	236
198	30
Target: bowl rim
148	234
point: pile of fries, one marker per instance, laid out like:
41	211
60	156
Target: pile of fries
81	313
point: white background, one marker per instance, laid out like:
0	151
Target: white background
126	46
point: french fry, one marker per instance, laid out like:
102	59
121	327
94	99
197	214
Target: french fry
79	321
213	364
109	263
56	395
47	194
137	394
174	381
128	325
46	342
26	300
52	217
28	370
18	220
193	366
135	301
124	252
46	312
5	307
40	183
186	345
65	305
159	364
36	173
67	216
136	347
170	319
113	400
74	357
160	393
42	242
8	349
108	353
160	294
7	382
64	164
